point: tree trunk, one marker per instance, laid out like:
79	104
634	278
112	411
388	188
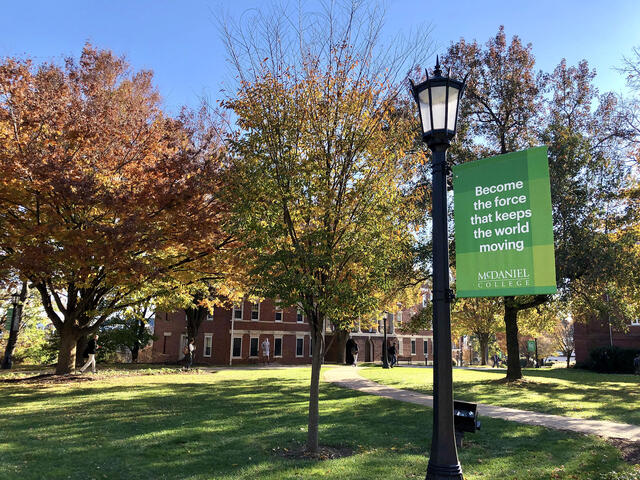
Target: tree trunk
514	371
136	343
81	345
195	316
67	352
7	361
484	348
569	358
314	390
341	345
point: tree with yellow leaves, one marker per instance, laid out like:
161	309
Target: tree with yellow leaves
322	187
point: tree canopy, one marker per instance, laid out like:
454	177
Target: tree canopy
101	193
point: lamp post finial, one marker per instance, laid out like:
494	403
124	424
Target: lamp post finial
437	72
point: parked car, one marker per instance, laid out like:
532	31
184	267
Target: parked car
560	359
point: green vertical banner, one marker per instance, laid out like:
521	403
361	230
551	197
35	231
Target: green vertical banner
504	226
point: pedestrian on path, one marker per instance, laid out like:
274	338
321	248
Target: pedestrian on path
265	351
392	354
90	354
352	352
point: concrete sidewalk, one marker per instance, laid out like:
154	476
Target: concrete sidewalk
348	377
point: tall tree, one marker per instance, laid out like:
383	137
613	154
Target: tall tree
100	192
500	115
322	203
507	110
589	162
480	317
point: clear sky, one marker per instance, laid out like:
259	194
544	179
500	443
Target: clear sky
179	40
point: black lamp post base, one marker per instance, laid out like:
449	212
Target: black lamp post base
444	472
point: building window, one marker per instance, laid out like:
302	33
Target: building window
278	314
210	316
237	311
255	311
425	346
392	319
299	316
413	347
208	340
253	347
237	347
400	349
299	346
277	347
636	322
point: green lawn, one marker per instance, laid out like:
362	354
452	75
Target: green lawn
576	393
226	425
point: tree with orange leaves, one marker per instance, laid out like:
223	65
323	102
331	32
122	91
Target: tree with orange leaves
102	196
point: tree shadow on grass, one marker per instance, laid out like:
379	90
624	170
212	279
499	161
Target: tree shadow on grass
229	428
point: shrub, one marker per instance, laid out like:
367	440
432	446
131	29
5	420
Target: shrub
632	475
611	360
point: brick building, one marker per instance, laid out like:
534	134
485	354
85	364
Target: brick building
595	333
232	336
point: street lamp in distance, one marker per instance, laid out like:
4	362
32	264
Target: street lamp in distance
438	100
385	360
7	361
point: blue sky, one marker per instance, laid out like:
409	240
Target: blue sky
179	40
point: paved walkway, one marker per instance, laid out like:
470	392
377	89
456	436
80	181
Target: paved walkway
348	377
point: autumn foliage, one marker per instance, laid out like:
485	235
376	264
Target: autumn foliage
101	194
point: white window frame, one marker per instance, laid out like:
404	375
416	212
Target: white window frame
302	351
252	310
425	347
237	307
207	336
257	347
281	346
232	341
210	315
635	323
413	346
299	314
400	346
279	310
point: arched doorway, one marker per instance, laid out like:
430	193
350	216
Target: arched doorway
368	351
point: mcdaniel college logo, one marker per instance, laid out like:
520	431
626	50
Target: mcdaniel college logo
515	277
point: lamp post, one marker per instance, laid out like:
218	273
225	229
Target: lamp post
13	333
385	361
438	99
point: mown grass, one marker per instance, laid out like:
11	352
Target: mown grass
226	425
570	392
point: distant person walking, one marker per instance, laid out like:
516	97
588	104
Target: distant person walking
266	346
90	354
352	352
636	365
392	354
188	353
